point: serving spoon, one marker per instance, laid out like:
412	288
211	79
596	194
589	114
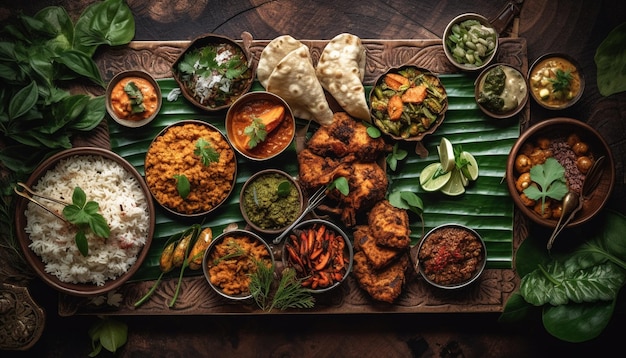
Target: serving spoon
573	202
29	194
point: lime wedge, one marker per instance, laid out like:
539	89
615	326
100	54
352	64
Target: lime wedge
470	171
446	154
454	186
433	177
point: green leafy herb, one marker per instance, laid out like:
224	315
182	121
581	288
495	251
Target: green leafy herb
108	333
562	81
84	214
341	184
395	156
136	97
409	201
577	291
459	160
289	294
182	185
206	152
609	59
550	179
235	250
283	190
256	132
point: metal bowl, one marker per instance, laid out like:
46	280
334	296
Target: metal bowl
449	45
120	114
433	256
213	256
179	154
241	86
552	129
538	82
240	115
268	207
36	262
515	87
291	258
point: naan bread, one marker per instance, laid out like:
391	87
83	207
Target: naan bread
272	54
341	69
295	81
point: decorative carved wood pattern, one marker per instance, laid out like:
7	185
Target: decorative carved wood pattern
489	294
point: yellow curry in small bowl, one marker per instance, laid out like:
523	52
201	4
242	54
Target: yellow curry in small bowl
556	81
133	98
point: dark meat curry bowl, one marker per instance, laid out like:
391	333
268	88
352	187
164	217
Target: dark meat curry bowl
451	256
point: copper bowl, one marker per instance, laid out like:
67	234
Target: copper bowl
255	104
294	240
515	86
433	246
156	99
535	81
80	289
449	45
185	81
269	207
213	257
562	128
421	124
156	153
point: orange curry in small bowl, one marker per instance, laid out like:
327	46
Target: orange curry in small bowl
260	125
133	98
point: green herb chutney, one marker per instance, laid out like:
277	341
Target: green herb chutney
269	207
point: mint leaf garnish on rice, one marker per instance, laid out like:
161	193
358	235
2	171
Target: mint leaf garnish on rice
85	215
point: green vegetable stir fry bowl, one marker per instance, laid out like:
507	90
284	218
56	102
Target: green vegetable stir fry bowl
550	182
470	42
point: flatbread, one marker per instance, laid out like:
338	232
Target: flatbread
341	70
272	54
295	81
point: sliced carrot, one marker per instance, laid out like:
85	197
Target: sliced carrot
396	81
415	94
394	108
272	117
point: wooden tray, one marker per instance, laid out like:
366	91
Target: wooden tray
196	298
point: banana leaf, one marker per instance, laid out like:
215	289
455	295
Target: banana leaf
486	206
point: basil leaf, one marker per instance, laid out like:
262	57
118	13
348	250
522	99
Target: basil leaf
284	188
79	198
91	207
99	226
91	116
182	185
58	22
81	64
108	22
23	101
81	243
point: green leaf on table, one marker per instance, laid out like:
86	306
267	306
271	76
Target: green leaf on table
23	100
106	22
579	322
108	333
80	64
610	59
58	22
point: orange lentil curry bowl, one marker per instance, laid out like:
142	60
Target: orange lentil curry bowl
190	168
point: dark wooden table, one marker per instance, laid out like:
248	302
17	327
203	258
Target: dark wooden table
573	27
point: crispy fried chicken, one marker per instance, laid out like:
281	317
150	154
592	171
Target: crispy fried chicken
389	225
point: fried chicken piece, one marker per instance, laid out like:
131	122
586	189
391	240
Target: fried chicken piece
346	136
389	225
315	171
383	285
377	255
368	184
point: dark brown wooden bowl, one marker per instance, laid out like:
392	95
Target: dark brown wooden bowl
563	127
203	41
36	262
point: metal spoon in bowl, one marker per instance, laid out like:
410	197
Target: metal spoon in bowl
29	194
573	202
313	202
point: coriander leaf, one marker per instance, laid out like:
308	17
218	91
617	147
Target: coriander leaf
206	152
550	179
182	185
256	132
562	81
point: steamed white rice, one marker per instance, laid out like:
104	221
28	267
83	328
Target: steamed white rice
122	204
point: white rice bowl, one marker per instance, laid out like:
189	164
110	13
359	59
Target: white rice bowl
122	203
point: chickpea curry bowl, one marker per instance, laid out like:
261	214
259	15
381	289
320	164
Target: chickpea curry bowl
451	256
408	103
556	81
230	261
551	158
190	168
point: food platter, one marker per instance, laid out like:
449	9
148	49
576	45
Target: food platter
488	295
